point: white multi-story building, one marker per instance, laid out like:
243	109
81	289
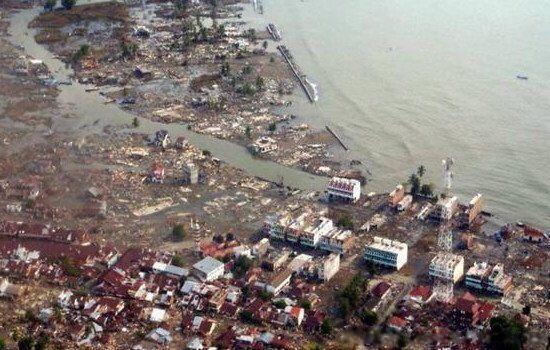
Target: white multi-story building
310	229
484	278
209	269
312	233
447	266
386	252
347	190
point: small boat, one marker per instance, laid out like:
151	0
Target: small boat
522	77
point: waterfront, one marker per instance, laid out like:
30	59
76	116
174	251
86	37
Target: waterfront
408	83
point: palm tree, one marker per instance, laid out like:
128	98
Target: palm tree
421	170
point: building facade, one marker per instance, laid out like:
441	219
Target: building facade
387	253
447	266
341	189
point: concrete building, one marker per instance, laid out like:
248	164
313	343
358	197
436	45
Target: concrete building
341	189
329	267
491	280
396	196
475	207
310	229
447	266
444	209
405	203
191	174
386	252
337	241
209	269
263	145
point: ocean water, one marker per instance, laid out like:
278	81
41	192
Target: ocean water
408	82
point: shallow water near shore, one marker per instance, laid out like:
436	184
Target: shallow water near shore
411	82
89	114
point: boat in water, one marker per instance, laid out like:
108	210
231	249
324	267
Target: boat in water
522	77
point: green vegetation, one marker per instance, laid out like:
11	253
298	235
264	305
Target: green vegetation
2	344
368	317
265	44
415	183
178	232
42	342
69	267
265	295
346	222
68	4
247	69
178	260
49	5
206	153
272	127
246	89
225	69
306	304
402	341
247	132
26	343
280	304
506	334
245	290
135	122
526	310
129	49
82	52
241	267
351	295
326	326
247	316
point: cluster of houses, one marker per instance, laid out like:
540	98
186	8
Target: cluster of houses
147	290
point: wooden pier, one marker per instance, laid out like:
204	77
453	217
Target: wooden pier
337	138
301	77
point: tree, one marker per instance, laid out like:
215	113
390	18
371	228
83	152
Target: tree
369	318
248	132
178	260
135	122
247	69
402	341
265	295
26	343
280	304
414	181
306	304
242	265
265	44
225	69
427	190
421	171
345	222
2	344
49	5
68	4
129	49
206	153
326	326
245	291
178	232
272	127
42	342
506	334
82	52
526	310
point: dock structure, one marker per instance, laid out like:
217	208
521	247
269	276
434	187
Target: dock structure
337	138
308	89
274	32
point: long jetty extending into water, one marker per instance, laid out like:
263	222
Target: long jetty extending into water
308	88
337	138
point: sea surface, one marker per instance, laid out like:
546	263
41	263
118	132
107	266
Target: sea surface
409	82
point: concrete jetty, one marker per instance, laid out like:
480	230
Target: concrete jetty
308	89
